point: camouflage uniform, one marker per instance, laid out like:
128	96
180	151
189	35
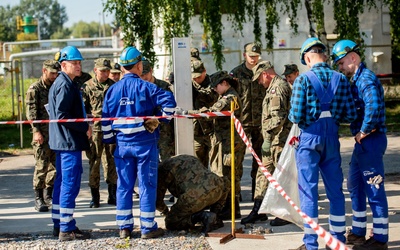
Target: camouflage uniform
93	96
45	171
203	96
251	95
195	187
221	138
166	143
84	77
275	129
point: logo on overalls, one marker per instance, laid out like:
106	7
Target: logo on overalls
125	101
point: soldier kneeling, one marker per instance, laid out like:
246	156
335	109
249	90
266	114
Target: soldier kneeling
196	189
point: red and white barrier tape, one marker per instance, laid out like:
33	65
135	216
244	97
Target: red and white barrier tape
201	115
332	242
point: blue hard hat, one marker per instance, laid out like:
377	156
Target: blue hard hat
69	53
130	56
342	48
310	42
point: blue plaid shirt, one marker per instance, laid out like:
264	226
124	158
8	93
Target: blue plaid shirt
369	99
305	106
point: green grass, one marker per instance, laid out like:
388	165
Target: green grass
10	134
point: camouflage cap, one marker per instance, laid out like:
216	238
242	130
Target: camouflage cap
252	49
197	68
194	52
289	69
260	67
146	66
219	76
52	66
102	64
115	68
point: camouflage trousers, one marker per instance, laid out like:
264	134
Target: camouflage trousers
101	153
45	170
166	143
270	157
254	135
220	160
179	217
202	149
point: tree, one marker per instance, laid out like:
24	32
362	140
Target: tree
8	30
49	13
139	19
394	11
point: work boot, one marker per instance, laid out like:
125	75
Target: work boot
254	216
253	188
124	233
226	213
48	196
206	218
73	235
372	244
153	234
40	205
354	239
302	247
218	224
56	231
112	194
279	222
95	202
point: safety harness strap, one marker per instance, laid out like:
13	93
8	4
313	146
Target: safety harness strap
325	95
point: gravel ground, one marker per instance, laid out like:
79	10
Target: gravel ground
104	239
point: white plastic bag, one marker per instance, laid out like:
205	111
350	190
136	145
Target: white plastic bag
286	175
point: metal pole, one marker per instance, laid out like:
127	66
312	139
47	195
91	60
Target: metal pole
233	168
22	87
18	94
184	138
12	89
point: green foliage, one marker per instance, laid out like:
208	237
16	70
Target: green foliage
139	19
136	18
127	244
8	30
394	10
272	19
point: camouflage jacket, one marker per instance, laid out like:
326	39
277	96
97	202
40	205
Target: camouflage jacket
251	94
167	134
185	178
93	96
163	84
203	97
36	97
222	125
275	111
82	79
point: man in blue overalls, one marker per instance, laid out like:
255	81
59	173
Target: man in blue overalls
366	173
136	154
68	140
321	100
